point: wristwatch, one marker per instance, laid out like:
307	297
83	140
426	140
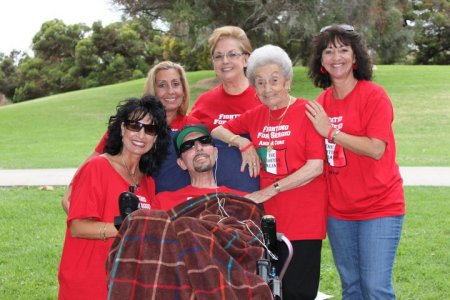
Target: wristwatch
277	187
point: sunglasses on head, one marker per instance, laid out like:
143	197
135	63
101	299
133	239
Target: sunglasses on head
204	140
346	27
136	126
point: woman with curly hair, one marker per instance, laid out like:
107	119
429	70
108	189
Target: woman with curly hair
366	200
136	146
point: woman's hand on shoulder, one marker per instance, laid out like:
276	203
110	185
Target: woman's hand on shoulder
318	117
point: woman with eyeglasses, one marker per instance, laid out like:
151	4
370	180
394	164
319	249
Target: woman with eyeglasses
138	137
167	80
230	48
288	155
366	200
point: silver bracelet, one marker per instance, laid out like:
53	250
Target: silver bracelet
335	133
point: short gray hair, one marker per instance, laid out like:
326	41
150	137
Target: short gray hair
269	54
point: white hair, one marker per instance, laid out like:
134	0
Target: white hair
269	54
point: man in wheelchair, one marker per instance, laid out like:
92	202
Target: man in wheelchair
197	155
191	246
200	241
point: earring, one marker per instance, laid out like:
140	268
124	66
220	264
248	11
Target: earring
323	70
355	66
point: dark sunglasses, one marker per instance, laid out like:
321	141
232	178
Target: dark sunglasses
204	140
346	27
136	126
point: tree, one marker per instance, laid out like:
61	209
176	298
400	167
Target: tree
56	41
431	21
290	24
76	56
8	72
121	47
389	38
193	21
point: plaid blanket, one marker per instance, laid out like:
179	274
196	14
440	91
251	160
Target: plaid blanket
200	249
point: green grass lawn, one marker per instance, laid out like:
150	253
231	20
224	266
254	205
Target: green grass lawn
61	130
32	228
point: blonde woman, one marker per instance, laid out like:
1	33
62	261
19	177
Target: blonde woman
166	80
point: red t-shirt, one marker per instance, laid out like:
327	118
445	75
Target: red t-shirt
95	192
175	125
168	200
360	187
180	121
215	107
300	212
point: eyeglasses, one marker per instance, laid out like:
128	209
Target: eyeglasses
135	126
230	55
346	27
204	140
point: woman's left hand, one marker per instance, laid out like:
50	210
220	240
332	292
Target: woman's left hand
318	117
251	159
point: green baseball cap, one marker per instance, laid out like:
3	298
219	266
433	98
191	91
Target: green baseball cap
189	129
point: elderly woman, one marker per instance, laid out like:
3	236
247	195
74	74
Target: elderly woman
289	155
137	143
366	206
167	80
230	48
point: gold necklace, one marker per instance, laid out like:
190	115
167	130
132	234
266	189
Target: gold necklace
284	113
270	146
136	183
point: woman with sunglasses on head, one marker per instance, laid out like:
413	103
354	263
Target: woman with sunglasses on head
366	200
291	156
167	80
138	137
230	48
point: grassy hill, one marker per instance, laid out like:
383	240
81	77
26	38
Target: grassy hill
61	130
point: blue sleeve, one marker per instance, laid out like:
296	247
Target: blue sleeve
228	169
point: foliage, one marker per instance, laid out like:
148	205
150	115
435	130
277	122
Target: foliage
431	21
290	24
73	57
8	72
389	42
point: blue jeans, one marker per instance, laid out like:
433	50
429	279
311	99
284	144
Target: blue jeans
364	254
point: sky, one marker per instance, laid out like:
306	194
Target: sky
20	20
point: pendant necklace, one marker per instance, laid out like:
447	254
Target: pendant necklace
280	118
135	186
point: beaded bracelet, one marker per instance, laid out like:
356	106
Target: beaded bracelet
246	147
330	132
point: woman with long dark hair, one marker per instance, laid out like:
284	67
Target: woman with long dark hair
135	148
